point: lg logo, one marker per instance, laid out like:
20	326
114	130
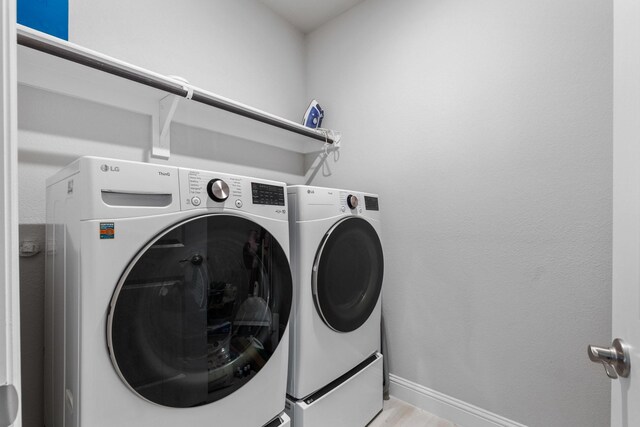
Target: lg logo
107	168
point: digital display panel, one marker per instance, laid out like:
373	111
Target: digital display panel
371	203
265	194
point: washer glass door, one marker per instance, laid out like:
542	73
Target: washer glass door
200	311
347	274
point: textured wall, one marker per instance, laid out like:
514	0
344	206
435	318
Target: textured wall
486	127
239	49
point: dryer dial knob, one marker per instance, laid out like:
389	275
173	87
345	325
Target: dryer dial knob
352	201
218	190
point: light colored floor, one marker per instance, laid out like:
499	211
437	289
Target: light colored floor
397	413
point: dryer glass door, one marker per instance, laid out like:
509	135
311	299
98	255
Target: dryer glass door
200	311
347	274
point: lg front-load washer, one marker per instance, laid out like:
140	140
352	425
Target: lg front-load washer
168	296
335	368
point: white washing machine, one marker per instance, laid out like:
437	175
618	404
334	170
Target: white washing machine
168	297
335	368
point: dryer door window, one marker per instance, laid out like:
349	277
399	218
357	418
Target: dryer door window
347	274
199	312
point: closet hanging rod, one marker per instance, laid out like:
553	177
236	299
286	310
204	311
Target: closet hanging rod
74	53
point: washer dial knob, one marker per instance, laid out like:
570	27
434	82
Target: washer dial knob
352	201
218	190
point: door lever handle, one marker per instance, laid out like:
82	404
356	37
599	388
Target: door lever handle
9	405
615	359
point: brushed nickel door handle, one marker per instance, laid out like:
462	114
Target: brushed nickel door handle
615	359
9	404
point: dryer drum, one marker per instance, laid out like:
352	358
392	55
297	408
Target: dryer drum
180	330
347	274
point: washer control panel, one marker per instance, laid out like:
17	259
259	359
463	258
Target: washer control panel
203	189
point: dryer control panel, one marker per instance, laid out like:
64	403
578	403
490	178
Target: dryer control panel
205	189
319	203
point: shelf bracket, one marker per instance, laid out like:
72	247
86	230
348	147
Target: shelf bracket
320	162
161	123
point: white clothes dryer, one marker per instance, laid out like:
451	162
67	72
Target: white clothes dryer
168	296
335	369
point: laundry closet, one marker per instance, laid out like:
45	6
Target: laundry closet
459	188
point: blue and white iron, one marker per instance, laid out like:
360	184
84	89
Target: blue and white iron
314	115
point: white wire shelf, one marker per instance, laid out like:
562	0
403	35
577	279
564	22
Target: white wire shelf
58	66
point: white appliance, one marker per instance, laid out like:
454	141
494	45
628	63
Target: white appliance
168	297
335	369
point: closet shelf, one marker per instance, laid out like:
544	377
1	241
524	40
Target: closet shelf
58	66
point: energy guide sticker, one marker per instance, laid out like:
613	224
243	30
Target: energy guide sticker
107	230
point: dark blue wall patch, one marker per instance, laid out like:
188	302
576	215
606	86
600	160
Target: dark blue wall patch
48	16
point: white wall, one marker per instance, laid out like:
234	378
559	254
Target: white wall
486	128
239	49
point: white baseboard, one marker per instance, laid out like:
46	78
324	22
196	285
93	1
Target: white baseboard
447	407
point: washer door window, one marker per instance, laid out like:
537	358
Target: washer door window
347	274
200	311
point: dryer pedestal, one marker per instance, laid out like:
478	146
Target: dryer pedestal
351	401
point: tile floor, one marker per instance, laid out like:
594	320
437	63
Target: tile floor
397	413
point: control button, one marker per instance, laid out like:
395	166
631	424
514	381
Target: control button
238	203
343	209
195	201
352	201
218	190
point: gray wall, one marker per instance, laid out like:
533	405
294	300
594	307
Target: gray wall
239	49
486	127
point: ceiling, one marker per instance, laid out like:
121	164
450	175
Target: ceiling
307	15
